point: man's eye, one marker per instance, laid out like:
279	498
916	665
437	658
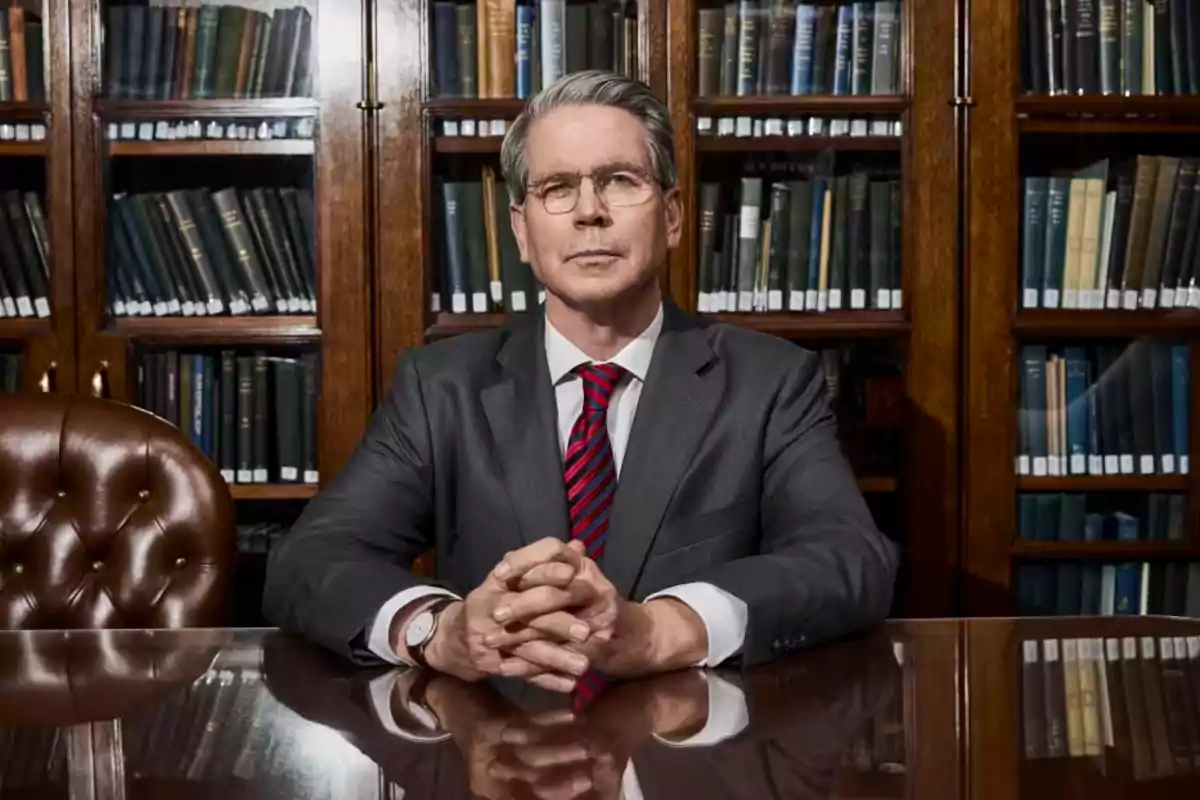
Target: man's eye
626	180
556	189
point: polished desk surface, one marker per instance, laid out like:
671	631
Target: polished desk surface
929	709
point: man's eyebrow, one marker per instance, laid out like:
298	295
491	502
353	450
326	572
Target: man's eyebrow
612	166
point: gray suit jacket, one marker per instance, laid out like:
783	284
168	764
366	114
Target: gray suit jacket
733	475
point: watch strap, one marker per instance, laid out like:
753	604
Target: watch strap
417	653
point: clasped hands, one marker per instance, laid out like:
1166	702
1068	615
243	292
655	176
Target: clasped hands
547	614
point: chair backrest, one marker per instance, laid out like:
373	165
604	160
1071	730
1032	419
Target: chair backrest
109	518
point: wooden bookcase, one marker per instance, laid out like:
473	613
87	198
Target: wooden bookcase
924	512
47	344
1009	128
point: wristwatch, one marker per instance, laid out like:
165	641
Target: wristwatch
421	629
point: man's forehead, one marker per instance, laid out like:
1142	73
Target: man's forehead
581	138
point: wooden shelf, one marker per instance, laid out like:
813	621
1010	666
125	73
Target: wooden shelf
115	110
1106	549
448	324
794	144
21	328
839	324
1134	106
878	485
221	330
24	149
215	147
1104	483
808	104
467	144
272	491
23	112
475	107
1107	322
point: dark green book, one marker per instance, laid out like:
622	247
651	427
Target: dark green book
261	402
227	426
288	430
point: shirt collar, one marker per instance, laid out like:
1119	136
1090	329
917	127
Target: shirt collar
562	356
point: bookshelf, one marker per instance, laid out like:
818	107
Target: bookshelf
36	161
1142	512
424	135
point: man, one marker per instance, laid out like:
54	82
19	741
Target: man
610	486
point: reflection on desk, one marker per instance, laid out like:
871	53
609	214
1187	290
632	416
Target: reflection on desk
975	708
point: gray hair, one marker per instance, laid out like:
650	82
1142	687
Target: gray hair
592	87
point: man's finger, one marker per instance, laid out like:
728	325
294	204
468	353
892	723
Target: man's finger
553	573
551	658
553	683
550	755
518	562
559	625
542	600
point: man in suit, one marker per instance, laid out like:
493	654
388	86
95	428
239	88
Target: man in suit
610	485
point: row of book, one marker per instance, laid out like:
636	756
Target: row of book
817	244
253	414
1101	516
1134	245
480	267
176	130
22	56
754	47
260	537
505	48
1104	409
10	373
22	132
200	252
166	50
747	127
1137	696
1110	46
866	389
24	256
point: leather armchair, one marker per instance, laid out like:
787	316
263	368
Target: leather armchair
109	518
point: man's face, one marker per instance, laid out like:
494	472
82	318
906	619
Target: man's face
599	251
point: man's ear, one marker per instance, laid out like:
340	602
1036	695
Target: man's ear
673	209
516	216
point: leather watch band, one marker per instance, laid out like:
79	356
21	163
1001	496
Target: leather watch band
417	654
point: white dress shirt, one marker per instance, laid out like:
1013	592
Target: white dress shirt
723	614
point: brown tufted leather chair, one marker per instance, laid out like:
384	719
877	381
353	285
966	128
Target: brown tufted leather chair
109	518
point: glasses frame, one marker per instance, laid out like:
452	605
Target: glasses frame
532	189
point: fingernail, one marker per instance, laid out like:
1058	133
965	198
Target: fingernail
509	667
581	785
492	639
502	613
579	664
579	632
502	570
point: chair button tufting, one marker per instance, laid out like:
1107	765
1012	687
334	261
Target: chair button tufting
18	568
179	562
61	493
97	566
144	494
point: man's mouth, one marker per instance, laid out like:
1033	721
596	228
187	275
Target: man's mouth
595	252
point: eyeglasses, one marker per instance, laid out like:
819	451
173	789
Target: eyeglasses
618	187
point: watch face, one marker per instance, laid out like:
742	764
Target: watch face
418	629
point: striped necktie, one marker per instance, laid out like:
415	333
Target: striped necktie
589	469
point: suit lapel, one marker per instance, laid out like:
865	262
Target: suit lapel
675	409
521	411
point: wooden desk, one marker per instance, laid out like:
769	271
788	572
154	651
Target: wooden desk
929	709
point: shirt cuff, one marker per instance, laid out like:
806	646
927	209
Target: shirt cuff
724	617
727	715
379	641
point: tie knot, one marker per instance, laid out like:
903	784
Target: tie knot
599	382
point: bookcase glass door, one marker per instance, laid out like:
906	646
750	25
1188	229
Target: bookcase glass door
36	326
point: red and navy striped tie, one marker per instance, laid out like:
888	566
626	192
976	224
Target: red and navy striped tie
589	468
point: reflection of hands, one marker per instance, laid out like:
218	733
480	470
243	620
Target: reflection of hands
559	754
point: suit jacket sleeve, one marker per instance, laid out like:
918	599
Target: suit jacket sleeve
823	569
355	543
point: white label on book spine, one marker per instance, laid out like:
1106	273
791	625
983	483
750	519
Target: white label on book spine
745	301
259	303
1039	466
312	476
468	127
1050	649
1078	464
1129	648
883	299
1030	648
774	127
1114	299
796	300
288	473
146	309
215	306
24	307
238	306
458	303
704	124
1181	297
517	300
1180	646
260	476
1194	297
703	304
111	132
1183	465
810	299
757	132
1022	465
835	298
1126	464
1055	466
897	299
1146	465
822	300
725	126
174	307
1150	298
499	126
858	298
774	300
1168	298
1095	465
160	309
1070	299
293	305
1050	298
1167	647
245	476
162	131
1112	465
497	292
281	305
227	474
1193	646
42	307
479	302
1030	298
744	127
118	308
795	127
1168	464
187	309
1112	648
10	307
450	127
1131	300
1148	647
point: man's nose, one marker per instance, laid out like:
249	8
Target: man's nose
590	207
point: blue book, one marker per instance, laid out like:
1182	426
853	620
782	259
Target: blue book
1077	409
843	54
1180	402
1055	255
1033	404
1033	233
814	238
524	51
1069	599
1128	591
1093	529
445	51
802	49
199	391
